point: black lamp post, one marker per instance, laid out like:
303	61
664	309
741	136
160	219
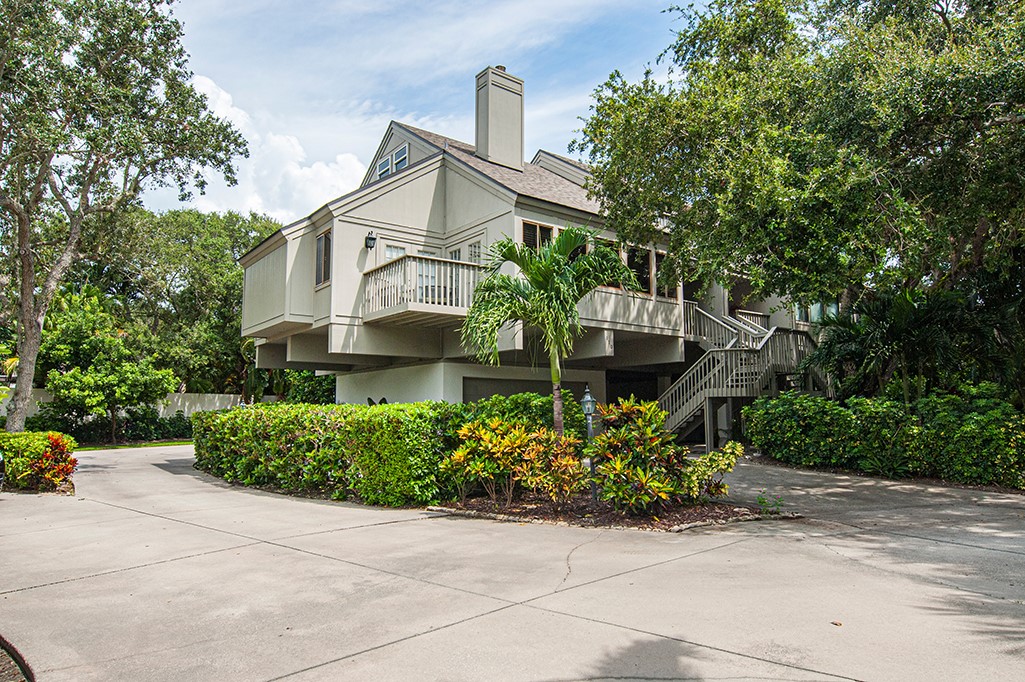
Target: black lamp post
370	241
588	403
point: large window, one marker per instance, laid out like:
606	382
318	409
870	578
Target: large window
609	244
323	258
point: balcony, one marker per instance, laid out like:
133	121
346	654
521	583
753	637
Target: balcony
421	291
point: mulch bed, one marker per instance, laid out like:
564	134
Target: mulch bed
530	508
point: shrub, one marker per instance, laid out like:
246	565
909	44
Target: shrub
971	436
38	461
640	469
551	467
489	456
530	409
386	454
801	429
139	423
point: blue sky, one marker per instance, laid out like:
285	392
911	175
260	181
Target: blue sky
312	85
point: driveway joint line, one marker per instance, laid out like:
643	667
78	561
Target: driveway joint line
125	569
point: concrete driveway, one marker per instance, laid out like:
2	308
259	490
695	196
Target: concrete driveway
157	572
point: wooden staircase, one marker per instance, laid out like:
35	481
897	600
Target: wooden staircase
742	360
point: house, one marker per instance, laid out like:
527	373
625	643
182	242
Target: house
373	286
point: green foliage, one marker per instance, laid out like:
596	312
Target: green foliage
93	370
386	454
801	429
98	103
304	386
38	461
640	469
971	437
530	409
817	146
489	456
552	279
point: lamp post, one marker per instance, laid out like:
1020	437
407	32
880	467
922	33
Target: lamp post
588	403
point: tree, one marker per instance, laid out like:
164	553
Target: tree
94	368
824	147
177	275
96	103
552	280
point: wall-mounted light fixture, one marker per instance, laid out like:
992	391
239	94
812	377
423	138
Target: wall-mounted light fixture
370	241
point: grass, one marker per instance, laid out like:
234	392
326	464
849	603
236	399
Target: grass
122	446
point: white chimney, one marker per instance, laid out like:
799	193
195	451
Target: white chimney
500	117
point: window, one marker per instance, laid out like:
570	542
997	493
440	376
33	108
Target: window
384	167
639	260
400	158
473	252
669	290
455	254
535	235
393	252
323	258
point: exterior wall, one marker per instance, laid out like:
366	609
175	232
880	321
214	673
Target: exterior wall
444	381
264	290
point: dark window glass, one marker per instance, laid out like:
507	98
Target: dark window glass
609	244
323	258
639	260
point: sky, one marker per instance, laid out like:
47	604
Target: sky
312	85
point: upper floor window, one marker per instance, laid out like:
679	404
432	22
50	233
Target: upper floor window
473	252
455	254
392	252
394	162
535	235
639	260
609	244
400	158
323	268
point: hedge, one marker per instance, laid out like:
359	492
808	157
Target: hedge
382	454
971	437
37	460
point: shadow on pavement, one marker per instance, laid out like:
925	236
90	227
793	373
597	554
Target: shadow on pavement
647	659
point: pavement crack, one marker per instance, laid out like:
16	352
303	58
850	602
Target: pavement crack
569	566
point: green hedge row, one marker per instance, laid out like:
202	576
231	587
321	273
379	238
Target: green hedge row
384	454
971	437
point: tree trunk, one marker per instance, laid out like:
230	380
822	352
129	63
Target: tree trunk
556	392
30	336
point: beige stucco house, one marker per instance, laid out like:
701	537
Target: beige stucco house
373	285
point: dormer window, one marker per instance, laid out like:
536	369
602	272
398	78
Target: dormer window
400	158
323	258
394	162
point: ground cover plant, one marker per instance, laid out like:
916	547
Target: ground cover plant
971	436
41	462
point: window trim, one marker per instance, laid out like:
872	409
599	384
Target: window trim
384	167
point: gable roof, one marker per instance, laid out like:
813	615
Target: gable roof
533	181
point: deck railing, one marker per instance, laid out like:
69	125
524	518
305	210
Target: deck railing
420	279
759	320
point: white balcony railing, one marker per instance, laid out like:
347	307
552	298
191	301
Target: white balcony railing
423	280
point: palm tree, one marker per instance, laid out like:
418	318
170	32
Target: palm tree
552	279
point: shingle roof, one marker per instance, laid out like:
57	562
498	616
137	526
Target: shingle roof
533	181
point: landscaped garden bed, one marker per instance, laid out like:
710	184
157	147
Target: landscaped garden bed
495	457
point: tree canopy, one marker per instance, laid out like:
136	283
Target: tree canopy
823	147
96	102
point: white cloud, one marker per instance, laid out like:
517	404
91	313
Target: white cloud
276	179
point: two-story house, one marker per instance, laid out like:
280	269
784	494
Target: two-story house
374	285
